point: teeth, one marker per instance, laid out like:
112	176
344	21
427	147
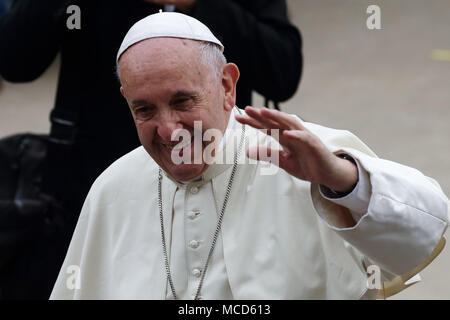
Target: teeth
178	146
181	145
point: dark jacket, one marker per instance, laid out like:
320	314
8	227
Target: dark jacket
256	34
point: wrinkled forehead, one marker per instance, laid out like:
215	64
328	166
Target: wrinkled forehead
162	58
158	50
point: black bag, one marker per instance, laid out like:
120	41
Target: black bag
33	239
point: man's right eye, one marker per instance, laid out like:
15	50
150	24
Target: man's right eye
140	109
143	112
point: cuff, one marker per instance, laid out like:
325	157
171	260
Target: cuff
357	201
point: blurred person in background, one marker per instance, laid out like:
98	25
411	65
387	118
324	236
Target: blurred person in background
3	7
90	123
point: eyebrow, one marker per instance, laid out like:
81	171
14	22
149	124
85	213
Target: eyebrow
177	95
139	102
183	94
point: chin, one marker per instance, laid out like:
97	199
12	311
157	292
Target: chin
186	172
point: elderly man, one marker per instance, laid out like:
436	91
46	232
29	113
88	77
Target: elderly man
155	228
81	144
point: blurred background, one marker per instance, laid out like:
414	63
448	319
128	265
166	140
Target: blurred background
391	87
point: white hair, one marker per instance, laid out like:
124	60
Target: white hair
211	56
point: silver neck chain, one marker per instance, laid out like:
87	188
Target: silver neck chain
218	227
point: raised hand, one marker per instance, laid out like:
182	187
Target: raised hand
304	155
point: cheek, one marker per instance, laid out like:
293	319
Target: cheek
145	132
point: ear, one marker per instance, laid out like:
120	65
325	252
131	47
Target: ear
230	76
122	92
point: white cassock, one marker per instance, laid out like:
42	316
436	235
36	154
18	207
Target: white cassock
280	238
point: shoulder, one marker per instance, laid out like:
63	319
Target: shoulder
125	173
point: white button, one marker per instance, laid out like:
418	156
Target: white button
194	190
197	273
194	214
194	244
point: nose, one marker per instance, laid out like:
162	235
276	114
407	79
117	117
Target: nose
167	123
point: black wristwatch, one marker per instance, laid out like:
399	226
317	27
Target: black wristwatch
330	193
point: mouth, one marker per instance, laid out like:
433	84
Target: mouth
177	146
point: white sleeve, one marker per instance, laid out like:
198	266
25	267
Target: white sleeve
403	221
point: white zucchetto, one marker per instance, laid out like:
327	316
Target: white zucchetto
167	24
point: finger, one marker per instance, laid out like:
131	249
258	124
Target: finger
286	142
280	158
297	135
295	139
274	133
255	113
285	120
244	119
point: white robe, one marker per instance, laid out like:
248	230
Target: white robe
281	238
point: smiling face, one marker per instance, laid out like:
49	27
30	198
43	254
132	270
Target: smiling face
168	87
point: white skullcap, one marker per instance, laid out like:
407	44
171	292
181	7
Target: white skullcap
167	24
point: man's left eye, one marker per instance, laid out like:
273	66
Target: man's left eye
183	103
